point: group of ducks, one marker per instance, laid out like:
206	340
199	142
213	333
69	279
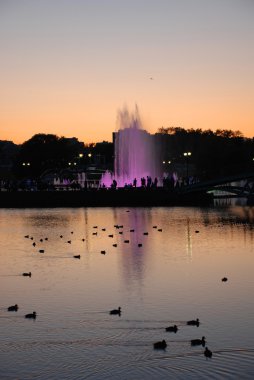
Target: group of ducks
15	307
103	252
161	345
157	345
118	226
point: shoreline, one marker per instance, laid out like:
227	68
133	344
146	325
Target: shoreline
120	197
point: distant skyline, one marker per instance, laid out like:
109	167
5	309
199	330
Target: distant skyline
68	66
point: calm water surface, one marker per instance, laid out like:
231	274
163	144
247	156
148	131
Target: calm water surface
175	276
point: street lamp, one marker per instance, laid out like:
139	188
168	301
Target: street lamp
26	164
187	156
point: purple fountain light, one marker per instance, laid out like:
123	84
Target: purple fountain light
134	151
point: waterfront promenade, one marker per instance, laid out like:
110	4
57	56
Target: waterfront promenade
102	198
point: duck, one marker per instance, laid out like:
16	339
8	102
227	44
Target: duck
172	329
160	345
110	236
76	256
120	232
32	315
61	236
114	245
126	241
94	233
193	322
69	241
26	236
159	229
103	229
27	274
46	238
34	244
103	252
154	226
140	244
224	279
198	342
132	230
83	239
41	240
197	232
145	233
41	250
71	232
116	311
208	353
95	226
13	308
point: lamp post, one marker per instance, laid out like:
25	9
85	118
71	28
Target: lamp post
90	157
187	156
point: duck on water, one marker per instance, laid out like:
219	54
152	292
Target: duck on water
116	311
31	316
13	308
161	345
198	342
172	329
193	322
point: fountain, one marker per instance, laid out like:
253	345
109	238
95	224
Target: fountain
135	156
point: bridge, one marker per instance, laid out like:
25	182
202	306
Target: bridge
224	184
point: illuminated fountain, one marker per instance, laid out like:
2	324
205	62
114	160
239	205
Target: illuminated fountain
135	156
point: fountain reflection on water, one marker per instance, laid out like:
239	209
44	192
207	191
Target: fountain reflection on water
135	152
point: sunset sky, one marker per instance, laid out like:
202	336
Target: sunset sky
68	66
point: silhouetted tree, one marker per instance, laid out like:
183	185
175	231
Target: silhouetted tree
218	153
45	151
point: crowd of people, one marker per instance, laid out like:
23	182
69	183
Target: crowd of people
170	182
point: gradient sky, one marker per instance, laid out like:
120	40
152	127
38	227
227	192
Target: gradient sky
67	66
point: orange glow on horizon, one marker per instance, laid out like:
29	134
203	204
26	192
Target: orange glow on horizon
188	66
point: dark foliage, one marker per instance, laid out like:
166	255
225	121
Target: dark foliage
45	151
219	153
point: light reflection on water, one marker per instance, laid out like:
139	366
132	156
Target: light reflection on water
175	276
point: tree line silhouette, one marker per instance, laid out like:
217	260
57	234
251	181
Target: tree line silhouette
220	153
213	153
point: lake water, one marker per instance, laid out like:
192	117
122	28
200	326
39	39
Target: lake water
175	276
